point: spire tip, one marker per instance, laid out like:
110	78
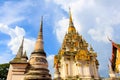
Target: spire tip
41	24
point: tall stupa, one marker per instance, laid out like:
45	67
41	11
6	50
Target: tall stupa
38	65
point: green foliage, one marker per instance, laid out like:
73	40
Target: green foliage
3	71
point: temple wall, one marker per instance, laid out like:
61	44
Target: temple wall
9	76
16	72
18	77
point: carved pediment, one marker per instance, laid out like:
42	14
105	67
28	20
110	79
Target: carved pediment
82	55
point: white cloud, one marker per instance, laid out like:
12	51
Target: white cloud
29	45
76	6
61	29
16	34
12	12
101	34
104	17
62	24
50	59
104	26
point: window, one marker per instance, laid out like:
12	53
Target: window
67	69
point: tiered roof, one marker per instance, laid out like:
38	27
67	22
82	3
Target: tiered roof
74	45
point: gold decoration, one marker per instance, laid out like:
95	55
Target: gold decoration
71	29
61	52
82	55
55	60
118	61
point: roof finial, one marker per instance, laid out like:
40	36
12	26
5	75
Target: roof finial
39	42
25	55
109	39
91	49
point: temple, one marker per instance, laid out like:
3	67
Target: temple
114	66
76	59
36	68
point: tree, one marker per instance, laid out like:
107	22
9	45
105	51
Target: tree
4	71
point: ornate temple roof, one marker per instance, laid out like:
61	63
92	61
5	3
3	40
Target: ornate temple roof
115	58
74	45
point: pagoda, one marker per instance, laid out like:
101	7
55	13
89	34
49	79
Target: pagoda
74	60
36	68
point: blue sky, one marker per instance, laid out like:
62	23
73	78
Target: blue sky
93	19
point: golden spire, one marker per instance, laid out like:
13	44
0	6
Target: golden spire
39	41
71	25
70	19
20	51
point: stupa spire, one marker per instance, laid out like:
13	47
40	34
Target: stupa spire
39	41
25	55
20	51
70	18
71	25
38	69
